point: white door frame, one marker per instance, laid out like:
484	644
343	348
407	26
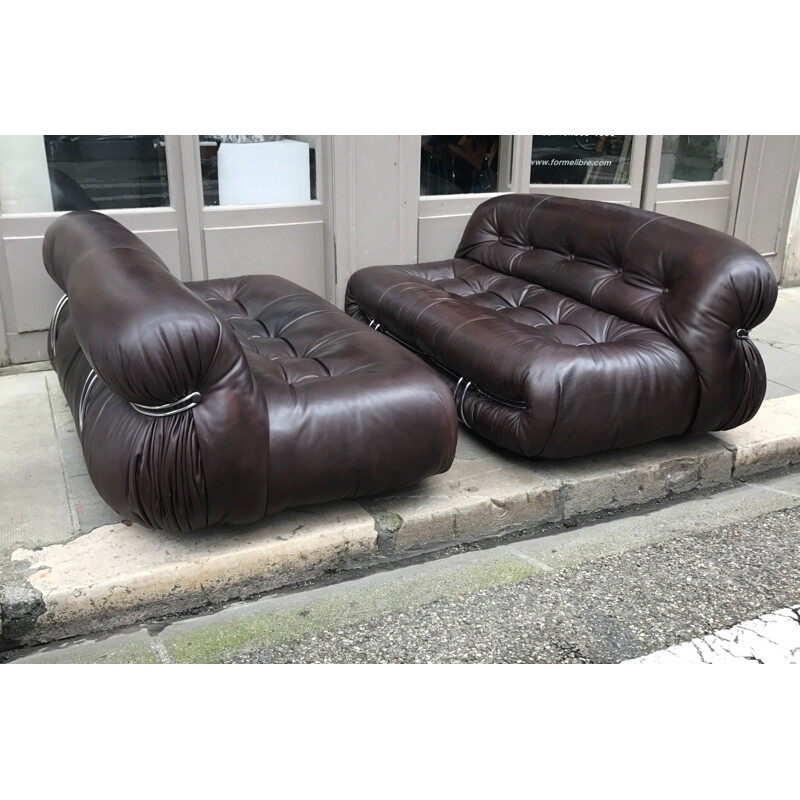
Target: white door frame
375	190
766	198
665	197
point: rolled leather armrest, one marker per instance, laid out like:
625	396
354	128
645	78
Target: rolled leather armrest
149	338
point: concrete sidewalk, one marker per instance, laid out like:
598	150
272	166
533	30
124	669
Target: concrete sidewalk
70	565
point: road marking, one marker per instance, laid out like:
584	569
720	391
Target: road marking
525	557
770	639
774	489
162	652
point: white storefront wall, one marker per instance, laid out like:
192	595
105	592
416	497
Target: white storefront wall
365	209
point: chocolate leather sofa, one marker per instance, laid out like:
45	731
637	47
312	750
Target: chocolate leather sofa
221	401
566	327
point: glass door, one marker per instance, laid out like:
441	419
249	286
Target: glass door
459	172
695	178
456	174
255	206
130	178
590	167
211	206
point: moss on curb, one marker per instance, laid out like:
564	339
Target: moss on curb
217	641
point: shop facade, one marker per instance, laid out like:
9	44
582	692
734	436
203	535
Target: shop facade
315	208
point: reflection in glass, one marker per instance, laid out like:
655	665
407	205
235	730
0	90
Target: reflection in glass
692	158
66	173
242	170
581	159
464	164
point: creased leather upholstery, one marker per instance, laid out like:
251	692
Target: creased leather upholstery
567	327
298	402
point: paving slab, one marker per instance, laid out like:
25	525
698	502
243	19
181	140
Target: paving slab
132	647
20	369
782	365
777	390
778	341
782	327
88	509
34	505
771	440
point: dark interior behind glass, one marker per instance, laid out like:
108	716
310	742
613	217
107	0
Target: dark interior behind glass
106	172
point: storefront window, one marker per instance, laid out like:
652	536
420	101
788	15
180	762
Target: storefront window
581	159
65	173
687	159
464	164
243	170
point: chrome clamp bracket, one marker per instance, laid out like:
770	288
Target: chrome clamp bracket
51	334
460	403
90	381
168	409
165	410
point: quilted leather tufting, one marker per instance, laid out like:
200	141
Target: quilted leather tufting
566	327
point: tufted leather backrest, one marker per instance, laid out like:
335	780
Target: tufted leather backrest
695	285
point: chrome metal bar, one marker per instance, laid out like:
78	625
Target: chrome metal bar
87	387
461	405
165	410
168	409
51	336
455	393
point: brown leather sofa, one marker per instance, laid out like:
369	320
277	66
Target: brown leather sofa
221	401
566	327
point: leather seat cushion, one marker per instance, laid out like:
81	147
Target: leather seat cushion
550	375
350	411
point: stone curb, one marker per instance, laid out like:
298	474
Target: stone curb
118	575
771	440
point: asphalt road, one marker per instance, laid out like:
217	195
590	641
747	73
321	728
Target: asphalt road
617	608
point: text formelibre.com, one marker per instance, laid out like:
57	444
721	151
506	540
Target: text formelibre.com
570	162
